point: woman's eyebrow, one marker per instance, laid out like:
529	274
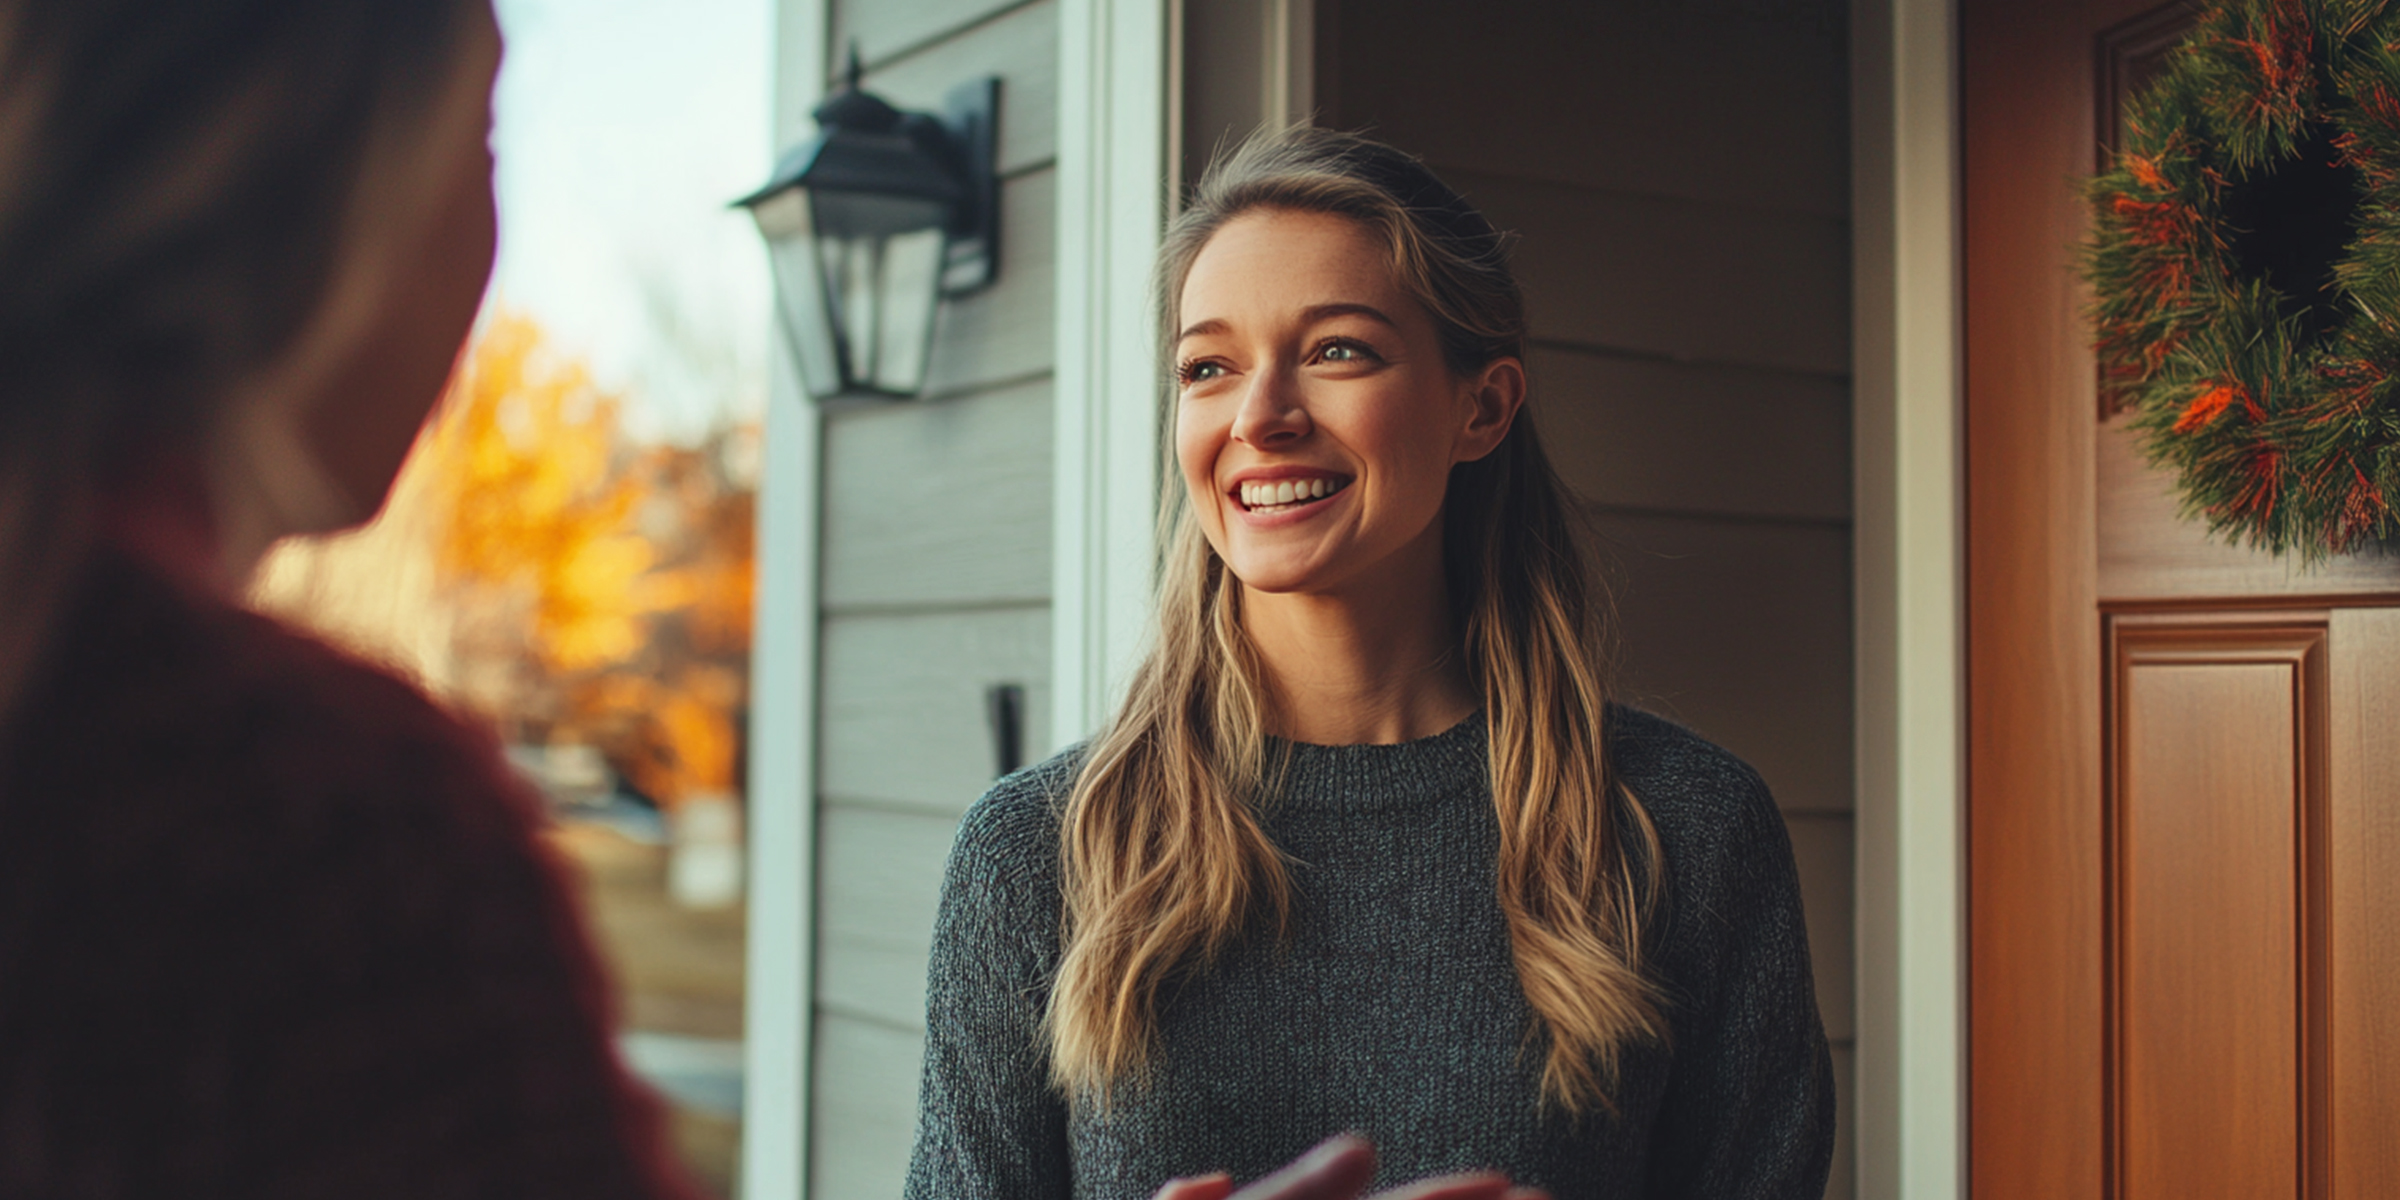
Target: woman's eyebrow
1212	325
1308	316
1322	312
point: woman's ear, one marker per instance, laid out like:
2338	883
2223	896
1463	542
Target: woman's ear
1491	399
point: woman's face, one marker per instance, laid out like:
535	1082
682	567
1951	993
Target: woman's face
1316	420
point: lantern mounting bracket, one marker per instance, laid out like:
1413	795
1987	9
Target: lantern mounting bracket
971	257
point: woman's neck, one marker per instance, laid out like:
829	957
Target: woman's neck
1375	662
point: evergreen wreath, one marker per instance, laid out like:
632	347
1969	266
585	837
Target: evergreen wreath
2245	266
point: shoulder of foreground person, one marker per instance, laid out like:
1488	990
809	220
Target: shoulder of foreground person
305	916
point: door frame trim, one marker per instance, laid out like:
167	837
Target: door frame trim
1117	110
1908	1106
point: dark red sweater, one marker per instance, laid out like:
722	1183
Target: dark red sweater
274	925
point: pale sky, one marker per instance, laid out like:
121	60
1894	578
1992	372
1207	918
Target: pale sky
625	127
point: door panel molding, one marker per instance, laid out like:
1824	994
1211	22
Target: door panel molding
2216	937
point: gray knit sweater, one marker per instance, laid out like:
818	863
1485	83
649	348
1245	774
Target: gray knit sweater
1393	1008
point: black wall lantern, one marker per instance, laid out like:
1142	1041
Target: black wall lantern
870	223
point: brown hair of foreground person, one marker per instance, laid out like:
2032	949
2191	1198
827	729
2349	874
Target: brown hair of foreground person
177	182
272	924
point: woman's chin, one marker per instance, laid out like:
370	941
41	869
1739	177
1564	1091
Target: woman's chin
1280	575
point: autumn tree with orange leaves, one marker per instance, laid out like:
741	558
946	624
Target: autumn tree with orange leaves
615	582
588	590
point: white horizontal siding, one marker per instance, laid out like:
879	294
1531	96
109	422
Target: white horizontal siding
903	711
1020	45
939	502
879	882
865	1106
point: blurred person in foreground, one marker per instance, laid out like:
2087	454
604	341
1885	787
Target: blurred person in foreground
272	923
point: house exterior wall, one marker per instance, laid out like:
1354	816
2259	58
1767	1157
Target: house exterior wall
933	582
1679	175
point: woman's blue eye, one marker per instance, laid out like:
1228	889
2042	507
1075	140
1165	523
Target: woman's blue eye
1338	352
1198	372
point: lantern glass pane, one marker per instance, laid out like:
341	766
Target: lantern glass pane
850	269
910	289
801	297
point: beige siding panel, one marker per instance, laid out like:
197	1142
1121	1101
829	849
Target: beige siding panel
1729	101
871	981
1224	80
1645	434
883	28
1741	630
865	1109
939	502
1021	48
879	880
1680	279
903	702
1002	333
1821	846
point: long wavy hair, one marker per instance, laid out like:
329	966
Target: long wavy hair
175	180
1165	863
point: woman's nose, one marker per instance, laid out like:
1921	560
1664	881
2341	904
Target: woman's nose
1272	412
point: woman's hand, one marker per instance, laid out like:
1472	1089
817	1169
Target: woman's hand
1338	1169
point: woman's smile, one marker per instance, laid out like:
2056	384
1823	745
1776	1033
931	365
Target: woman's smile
1285	495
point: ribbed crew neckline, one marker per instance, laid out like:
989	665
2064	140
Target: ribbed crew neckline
1369	778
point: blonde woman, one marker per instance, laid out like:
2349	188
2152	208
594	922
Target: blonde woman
1367	847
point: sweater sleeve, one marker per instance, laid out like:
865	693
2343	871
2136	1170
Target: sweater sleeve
989	1124
273	925
450	1034
1749	1110
473	1059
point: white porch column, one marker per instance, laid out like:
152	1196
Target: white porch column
1115	111
779	993
1911	1091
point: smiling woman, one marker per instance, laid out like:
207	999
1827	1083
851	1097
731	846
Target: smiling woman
1368	847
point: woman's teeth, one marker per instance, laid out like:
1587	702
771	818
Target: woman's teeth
1287	493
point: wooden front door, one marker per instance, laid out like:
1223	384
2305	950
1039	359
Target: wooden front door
2183	758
